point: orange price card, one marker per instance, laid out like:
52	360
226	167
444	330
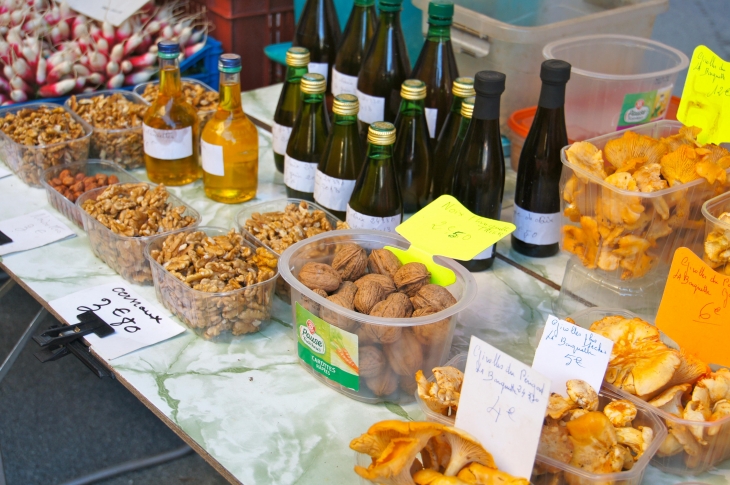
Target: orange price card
695	308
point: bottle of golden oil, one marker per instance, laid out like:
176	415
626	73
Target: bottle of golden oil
229	146
171	128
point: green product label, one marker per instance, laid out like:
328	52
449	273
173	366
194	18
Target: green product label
327	349
640	108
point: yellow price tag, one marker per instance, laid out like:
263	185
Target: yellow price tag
706	95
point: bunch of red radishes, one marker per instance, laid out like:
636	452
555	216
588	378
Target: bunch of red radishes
48	50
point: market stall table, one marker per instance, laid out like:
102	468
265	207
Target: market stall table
248	407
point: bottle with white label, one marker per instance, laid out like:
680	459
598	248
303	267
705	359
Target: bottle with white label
342	158
359	31
385	67
319	31
290	102
308	139
170	129
436	66
537	196
412	151
376	201
229	145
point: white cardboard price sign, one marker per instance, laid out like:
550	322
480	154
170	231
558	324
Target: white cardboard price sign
137	323
503	404
113	11
567	351
33	230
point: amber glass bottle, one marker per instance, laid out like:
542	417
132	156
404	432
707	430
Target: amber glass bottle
359	31
171	130
319	31
290	102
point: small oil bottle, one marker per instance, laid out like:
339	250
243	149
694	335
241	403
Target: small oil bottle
171	129
230	143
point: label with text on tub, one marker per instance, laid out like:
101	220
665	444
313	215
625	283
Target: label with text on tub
280	134
212	157
332	193
431	115
168	144
486	254
372	108
357	220
535	228
342	83
320	68
299	175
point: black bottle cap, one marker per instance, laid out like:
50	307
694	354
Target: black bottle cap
489	83
555	71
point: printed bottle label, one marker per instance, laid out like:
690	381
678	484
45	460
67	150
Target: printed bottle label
534	228
320	68
357	220
486	254
280	135
372	108
168	144
212	157
299	175
431	115
332	193
342	83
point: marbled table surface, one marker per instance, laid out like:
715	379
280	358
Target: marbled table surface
248	406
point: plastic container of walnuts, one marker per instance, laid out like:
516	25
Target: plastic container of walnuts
217	315
123	254
715	434
89	168
205	102
386	351
29	161
717	233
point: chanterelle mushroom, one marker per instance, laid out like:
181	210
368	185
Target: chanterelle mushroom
718	384
432	477
595	444
635	439
476	474
620	412
586	156
558	406
465	449
443	395
583	394
555	443
377	438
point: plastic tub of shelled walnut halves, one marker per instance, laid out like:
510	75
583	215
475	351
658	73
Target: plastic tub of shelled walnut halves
37	136
364	322
231	295
116	117
201	96
121	219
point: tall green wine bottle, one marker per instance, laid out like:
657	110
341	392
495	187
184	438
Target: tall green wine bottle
319	31
462	88
290	102
359	30
479	172
376	201
436	66
308	139
412	152
342	158
444	175
384	69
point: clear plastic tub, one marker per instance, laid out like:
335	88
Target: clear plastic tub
717	233
627	287
321	248
89	168
29	162
459	361
203	113
283	290
122	146
218	316
715	433
125	255
616	81
508	36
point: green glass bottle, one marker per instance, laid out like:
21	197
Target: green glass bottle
376	200
479	171
308	139
436	66
444	174
412	151
359	30
384	69
290	102
342	158
319	31
462	88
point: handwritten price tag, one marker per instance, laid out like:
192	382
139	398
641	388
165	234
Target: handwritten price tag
503	404
706	95
567	351
695	308
137	322
113	11
33	230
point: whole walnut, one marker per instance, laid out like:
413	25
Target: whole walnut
310	304
404	355
382	261
372	361
347	290
385	281
431	334
350	261
368	294
384	334
411	277
408	385
320	276
363	337
383	384
397	305
336	318
435	296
